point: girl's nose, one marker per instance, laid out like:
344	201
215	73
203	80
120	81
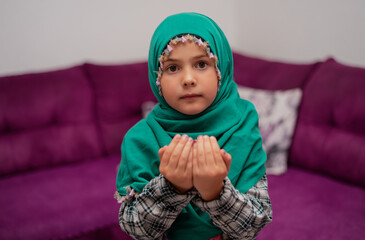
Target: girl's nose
189	79
189	82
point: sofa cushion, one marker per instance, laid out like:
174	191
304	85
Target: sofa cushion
312	206
120	92
330	135
259	73
109	232
46	119
61	202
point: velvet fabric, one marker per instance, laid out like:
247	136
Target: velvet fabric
36	107
64	194
270	75
120	91
59	203
319	197
332	141
307	206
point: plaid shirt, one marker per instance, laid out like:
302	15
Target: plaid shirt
240	216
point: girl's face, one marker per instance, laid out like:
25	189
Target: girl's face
189	82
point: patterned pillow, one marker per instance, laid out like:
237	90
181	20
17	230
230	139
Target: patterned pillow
277	112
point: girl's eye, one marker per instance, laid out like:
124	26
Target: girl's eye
201	65
172	68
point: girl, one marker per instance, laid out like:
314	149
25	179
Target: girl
175	180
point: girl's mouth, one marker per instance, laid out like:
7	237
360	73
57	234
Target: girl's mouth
190	96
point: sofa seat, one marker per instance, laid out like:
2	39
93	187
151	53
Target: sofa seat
312	203
62	202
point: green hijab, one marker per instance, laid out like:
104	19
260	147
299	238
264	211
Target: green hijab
233	121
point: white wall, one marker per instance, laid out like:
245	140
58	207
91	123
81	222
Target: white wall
41	35
48	34
302	31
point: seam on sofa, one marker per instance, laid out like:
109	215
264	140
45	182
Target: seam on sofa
90	79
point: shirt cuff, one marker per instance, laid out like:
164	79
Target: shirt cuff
222	204
167	193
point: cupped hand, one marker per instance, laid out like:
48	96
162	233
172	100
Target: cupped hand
210	166
176	163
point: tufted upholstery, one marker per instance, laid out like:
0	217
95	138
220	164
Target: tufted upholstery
60	136
47	119
270	75
322	194
330	135
119	104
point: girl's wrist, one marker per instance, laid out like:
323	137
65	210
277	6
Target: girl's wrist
213	194
181	190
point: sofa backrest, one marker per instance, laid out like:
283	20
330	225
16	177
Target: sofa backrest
120	91
330	134
46	119
270	75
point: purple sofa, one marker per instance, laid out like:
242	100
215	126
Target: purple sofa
60	136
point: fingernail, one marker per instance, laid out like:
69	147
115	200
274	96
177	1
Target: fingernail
199	137
206	137
224	152
184	136
177	136
190	139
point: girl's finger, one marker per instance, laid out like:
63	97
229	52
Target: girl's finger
183	160
209	155
200	152
161	152
189	165
176	153
168	151
195	157
227	159
216	151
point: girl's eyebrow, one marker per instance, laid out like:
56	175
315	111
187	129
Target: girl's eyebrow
195	57
200	56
